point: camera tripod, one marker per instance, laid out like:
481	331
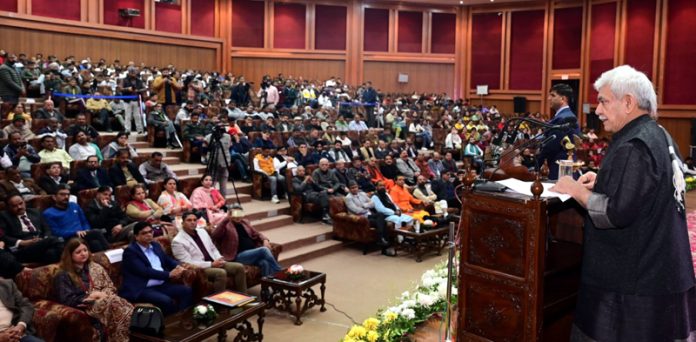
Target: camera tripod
215	150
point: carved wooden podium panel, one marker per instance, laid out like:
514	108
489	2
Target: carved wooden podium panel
518	280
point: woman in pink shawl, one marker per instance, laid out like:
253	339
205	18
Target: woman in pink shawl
208	198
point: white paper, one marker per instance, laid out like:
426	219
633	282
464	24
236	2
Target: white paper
525	188
114	255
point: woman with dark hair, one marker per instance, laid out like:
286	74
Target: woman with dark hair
141	208
119	143
86	285
206	197
172	201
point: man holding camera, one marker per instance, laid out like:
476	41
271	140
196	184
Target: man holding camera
166	86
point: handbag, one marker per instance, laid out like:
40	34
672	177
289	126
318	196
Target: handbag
147	320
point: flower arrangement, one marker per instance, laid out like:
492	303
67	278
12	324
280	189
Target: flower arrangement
295	272
204	314
394	323
690	183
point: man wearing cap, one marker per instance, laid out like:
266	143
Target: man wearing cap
194	246
238	241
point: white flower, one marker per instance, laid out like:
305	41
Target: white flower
405	295
424	299
295	269
201	309
408	313
408	304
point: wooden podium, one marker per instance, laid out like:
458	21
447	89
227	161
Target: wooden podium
520	267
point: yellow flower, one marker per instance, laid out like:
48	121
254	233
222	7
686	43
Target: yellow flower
357	332
390	316
348	339
371	324
372	336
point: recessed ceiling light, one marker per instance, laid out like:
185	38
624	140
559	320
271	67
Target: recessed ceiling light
461	2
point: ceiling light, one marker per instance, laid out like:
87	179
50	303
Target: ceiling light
461	2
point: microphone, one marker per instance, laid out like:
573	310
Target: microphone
569	123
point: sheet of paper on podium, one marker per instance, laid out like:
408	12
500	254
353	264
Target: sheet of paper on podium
525	188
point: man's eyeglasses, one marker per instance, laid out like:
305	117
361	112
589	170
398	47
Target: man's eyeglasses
143	232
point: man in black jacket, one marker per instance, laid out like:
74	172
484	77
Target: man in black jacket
103	213
124	172
26	235
53	177
22	312
91	177
303	185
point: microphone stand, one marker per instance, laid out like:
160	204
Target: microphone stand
484	184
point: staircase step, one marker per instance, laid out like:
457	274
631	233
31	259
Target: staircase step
187	170
269	223
257	210
305	253
242	188
171	160
300	235
167	152
140	144
243	198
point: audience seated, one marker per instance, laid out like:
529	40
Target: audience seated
124	172
303	186
101	111
54	176
154	170
15	183
436	166
21	154
423	191
120	142
148	274
444	189
52	153
402	197
18	126
194	246
85	285
358	203
141	208
19	311
26	235
81	124
83	148
407	168
195	132
264	165
173	202
238	241
325	179
385	206
158	119
67	220
106	214
92	176
206	197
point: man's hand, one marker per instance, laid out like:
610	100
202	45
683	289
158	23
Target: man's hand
105	202
116	229
18	331
331	191
588	180
176	272
2	245
219	263
81	233
576	189
267	244
29	242
8	335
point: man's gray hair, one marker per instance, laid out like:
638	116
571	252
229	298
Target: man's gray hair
625	80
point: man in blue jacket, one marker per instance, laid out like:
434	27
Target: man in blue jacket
148	272
559	100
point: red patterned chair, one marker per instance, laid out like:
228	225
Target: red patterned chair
57	322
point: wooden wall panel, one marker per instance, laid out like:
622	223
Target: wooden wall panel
253	69
527	50
82	46
376	30
602	41
680	130
486	37
248	27
410	31
289	22
443	35
422	77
